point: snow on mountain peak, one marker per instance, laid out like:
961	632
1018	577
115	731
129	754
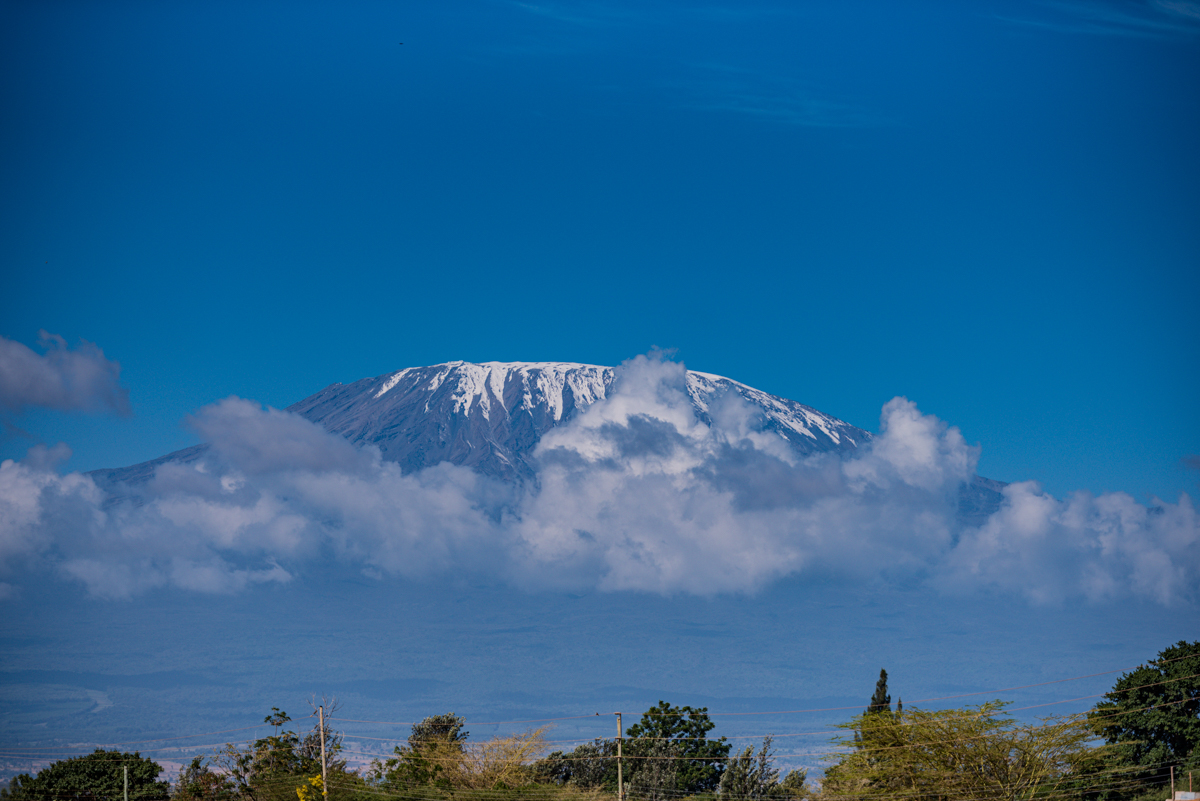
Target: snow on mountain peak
490	416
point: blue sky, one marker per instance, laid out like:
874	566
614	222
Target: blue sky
989	208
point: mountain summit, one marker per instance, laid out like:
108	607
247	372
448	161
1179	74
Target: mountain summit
491	416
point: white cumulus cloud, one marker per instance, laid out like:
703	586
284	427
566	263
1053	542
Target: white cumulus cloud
634	494
79	379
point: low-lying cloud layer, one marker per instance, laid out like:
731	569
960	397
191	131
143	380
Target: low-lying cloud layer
635	493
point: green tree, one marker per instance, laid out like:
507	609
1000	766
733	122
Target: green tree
99	776
435	746
699	761
881	701
591	765
970	753
749	776
794	786
656	776
1151	721
272	767
199	782
446	728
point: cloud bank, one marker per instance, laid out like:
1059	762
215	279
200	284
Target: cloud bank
634	494
81	379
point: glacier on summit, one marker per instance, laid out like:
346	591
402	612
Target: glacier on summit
490	416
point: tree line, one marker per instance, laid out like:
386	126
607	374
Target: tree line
1124	749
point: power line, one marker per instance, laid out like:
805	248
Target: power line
803	734
793	711
470	723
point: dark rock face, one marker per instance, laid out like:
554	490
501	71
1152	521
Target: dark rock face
486	417
979	499
490	417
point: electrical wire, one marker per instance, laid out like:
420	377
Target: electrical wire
43	753
793	711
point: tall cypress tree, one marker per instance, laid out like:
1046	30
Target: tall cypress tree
881	701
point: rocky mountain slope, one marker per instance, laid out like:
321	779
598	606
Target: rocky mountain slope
491	416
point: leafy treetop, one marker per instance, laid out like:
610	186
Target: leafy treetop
1151	716
699	760
446	729
99	776
881	701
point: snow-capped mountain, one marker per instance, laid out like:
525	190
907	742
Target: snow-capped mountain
490	416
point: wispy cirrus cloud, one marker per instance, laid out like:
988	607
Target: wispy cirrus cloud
736	90
679	82
589	12
584	13
1156	18
1181	8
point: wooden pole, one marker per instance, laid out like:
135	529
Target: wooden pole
620	774
324	770
125	769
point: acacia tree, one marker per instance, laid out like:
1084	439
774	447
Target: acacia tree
504	762
438	760
955	754
99	776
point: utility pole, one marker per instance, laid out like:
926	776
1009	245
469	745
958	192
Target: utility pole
324	770
620	775
125	769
